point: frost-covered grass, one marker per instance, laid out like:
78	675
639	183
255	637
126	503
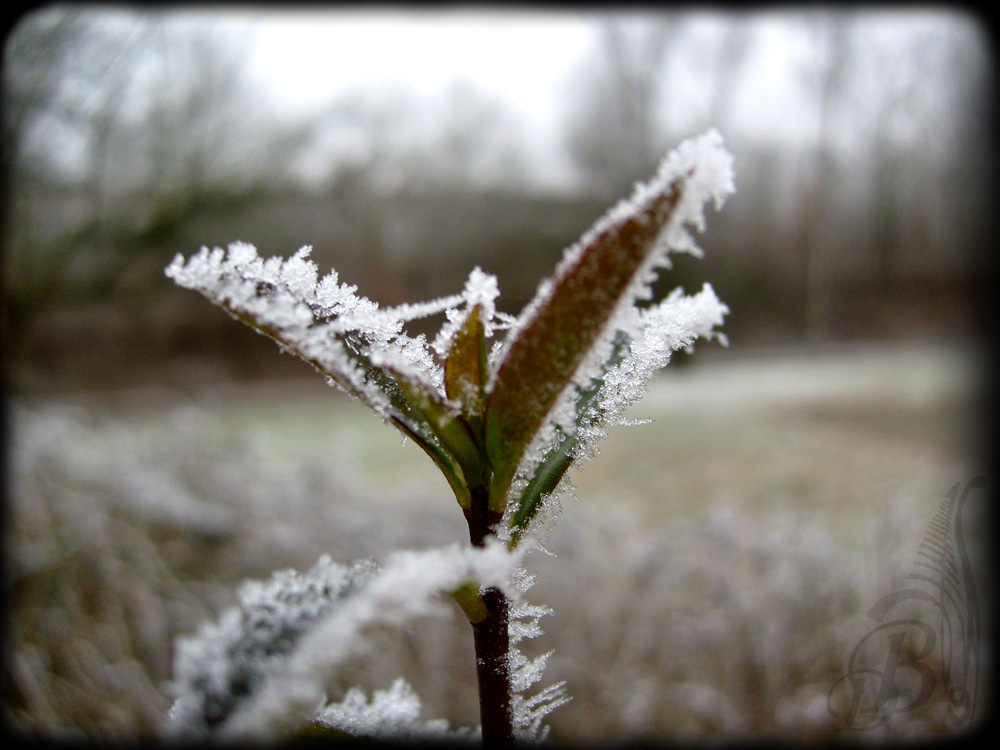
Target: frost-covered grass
769	503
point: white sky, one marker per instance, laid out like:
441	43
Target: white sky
522	56
526	57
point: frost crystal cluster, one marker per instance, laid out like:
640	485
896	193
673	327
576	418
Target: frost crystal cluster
503	405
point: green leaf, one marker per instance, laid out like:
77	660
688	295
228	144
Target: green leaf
560	456
443	460
545	480
569	320
419	413
448	428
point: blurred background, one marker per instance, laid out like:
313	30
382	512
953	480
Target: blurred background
156	446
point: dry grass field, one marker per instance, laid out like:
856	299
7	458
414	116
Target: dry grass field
709	579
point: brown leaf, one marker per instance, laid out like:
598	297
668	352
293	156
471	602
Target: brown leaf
542	360
465	366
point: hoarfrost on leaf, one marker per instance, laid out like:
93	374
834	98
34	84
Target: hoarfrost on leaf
265	664
390	715
326	322
217	670
513	415
577	324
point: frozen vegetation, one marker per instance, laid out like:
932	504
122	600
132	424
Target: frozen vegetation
504	407
744	548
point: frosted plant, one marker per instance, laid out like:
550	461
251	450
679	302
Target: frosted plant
503	405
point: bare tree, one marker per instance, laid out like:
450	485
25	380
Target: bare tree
923	128
613	131
461	137
63	77
890	102
733	48
118	123
831	40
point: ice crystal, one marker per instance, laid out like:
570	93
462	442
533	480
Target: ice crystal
529	711
326	322
391	715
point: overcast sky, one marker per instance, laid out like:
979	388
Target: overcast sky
531	61
521	55
526	57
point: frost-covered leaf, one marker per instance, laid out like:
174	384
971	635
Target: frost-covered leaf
565	322
565	334
324	323
562	452
391	715
449	429
661	329
218	670
505	425
359	347
263	668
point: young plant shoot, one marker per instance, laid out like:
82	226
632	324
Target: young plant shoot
503	406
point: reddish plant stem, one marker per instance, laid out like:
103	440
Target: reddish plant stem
493	670
492	642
